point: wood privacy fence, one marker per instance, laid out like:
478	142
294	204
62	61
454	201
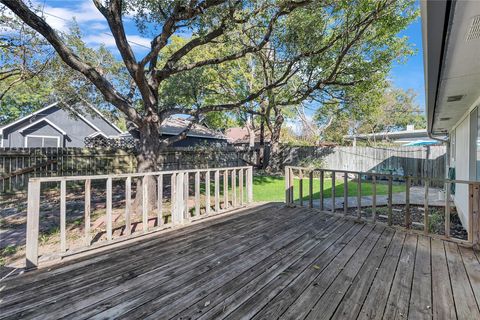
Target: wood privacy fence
237	192
426	161
17	165
297	197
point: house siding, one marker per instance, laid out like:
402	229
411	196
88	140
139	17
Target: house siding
76	128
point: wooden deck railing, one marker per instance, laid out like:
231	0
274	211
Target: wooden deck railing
179	205
373	179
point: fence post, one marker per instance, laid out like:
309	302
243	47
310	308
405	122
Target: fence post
333	191
425	216
321	189
390	213
408	219
63	216
300	186
207	193
87	210
359	196
33	213
310	189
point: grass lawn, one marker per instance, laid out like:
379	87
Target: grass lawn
268	188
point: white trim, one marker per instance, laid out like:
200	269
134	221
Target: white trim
96	134
40	136
31	114
47	121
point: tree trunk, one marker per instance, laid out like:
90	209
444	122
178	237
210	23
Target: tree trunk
275	162
149	158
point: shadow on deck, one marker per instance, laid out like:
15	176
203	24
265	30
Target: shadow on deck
270	262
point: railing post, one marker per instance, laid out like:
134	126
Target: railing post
292	186
390	213
186	183
128	205
333	191
63	215
207	193
474	215
345	193
447	209
144	204
234	188
425	217
310	189
250	185
287	185
87	210
225	189
321	189
160	200
217	191
300	186
359	196
240	185
179	208
408	219
33	214
197	193
374	198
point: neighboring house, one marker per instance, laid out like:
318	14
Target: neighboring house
451	45
241	136
409	137
53	126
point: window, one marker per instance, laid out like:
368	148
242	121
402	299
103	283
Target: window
42	142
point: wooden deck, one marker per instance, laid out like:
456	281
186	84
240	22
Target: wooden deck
269	263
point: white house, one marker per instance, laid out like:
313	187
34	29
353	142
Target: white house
451	43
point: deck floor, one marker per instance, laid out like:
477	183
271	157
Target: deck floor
269	263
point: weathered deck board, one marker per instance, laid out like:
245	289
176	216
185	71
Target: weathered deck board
268	263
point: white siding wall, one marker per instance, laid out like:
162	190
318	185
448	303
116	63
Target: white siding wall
462	156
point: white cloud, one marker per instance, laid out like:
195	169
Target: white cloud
59	17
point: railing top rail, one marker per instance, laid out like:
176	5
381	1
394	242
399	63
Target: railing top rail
378	174
131	175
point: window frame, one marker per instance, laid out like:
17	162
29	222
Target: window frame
43	140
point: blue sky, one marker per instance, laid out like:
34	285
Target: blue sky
59	13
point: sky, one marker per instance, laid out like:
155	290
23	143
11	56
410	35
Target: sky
95	30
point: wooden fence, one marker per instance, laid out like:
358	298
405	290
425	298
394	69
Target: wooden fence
302	174
237	192
18	165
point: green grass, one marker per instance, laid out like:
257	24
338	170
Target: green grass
268	188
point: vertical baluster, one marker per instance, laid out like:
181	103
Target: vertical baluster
300	186
128	205
207	193
109	209
173	197
63	216
250	185
389	214
33	220
240	186
408	218
160	200
145	203
447	209
197	193
225	189
217	191
234	188
345	193
292	186
359	196
310	189
87	211
333	191
179	215
426	217
287	186
374	198
321	189
186	194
